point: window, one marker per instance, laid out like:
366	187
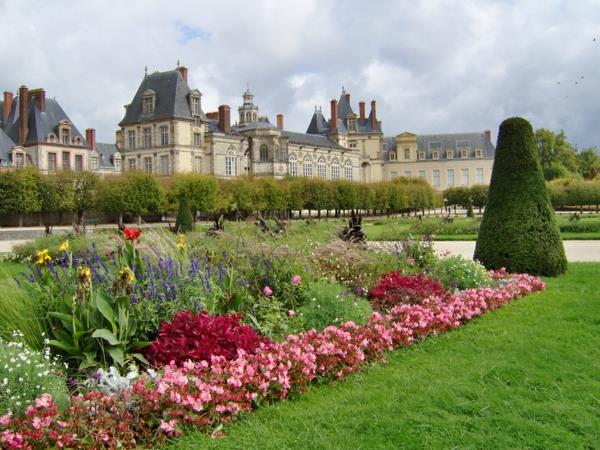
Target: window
52	161
421	156
449	154
321	168
421	174
464	154
78	163
450	177
66	160
392	156
335	169
307	167
131	164
435	178
148	164
348	170
248	117
19	159
352	124
293	166
93	161
197	139
230	164
164	135
479	175
393	175
407	153
198	164
165	167
435	154
65	136
131	139
464	177
117	160
264	153
407	173
352	144
478	153
253	117
147	137
195	106
148	104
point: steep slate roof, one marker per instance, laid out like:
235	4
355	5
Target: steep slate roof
318	124
344	107
6	145
40	123
313	140
443	142
171	98
106	153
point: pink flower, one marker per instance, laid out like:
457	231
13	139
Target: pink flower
267	291
5	419
168	427
291	313
296	280
44	401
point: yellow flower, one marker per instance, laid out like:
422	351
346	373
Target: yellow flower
84	274
42	257
64	247
181	242
126	274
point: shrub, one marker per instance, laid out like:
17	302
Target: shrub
518	230
198	337
331	304
185	220
417	252
25	374
456	272
272	319
394	289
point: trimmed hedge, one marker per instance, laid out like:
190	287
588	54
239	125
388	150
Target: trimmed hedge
519	230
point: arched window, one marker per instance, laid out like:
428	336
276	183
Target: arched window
231	164
348	170
307	167
335	169
254	117
293	166
248	116
264	153
321	168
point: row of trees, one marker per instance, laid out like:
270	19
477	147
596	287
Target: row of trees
565	193
26	191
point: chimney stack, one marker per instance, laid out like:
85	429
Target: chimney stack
347	98
40	97
361	108
183	71
373	115
487	135
224	119
8	101
280	121
90	137
334	115
213	115
23	113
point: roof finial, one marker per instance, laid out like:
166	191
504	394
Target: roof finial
145	71
343	89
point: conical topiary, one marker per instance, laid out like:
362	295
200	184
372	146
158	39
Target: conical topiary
518	230
185	220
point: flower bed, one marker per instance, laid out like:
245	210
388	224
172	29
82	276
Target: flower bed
205	395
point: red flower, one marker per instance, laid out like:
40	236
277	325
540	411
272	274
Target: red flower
131	234
394	289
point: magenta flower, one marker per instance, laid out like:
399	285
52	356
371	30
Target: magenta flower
267	291
296	280
291	313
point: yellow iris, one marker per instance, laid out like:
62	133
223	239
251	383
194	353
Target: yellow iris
126	274
181	242
64	247
42	257
84	273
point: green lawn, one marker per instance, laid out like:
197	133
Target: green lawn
525	376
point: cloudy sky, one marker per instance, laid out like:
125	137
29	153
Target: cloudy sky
434	66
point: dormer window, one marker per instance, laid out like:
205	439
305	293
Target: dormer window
392	156
435	155
65	136
464	154
195	102
478	153
449	154
407	153
148	102
421	156
78	141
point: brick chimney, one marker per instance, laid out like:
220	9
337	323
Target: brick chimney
487	134
40	97
361	108
90	137
224	118
373	115
347	98
280	121
8	101
183	71
213	115
23	113
334	115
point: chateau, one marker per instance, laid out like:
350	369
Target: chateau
165	131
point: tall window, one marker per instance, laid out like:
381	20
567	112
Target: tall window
66	160
197	139
196	106
52	161
164	135
131	164
147	137
131	139
421	174
406	153
392	156
19	159
93	161
264	153
65	136
307	167
450	177
479	175
230	164
165	167
78	163
321	168
198	164
293	166
435	178
148	164
407	173
148	104
464	177
348	170
335	169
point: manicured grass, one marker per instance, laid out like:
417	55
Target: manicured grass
525	376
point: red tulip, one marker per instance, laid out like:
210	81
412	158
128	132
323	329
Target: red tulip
131	234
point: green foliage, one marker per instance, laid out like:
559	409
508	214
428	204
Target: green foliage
25	374
200	191
416	254
269	316
479	194
589	163
184	221
458	196
141	193
84	187
519	230
456	272
331	304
